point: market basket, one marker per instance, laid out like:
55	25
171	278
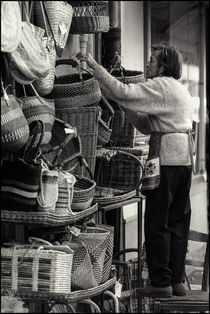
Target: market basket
118	175
89	17
42	268
75	90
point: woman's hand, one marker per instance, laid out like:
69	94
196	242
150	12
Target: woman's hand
87	58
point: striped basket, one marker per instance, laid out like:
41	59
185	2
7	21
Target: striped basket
42	268
14	126
89	17
84	190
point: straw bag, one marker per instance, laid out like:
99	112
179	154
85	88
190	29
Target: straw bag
14	126
38	108
36	268
117	174
75	90
29	61
89	248
59	17
89	17
20	180
10	25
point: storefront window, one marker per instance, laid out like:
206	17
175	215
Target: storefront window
179	24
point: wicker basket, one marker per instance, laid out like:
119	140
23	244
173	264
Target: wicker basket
85	119
84	190
89	17
75	90
41	269
105	124
89	256
127	135
59	14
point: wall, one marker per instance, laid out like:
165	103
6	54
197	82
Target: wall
132	48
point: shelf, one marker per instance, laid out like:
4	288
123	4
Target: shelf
46	219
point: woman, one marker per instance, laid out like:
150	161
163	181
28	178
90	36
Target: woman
168	106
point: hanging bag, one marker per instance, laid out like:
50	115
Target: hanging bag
14	126
20	181
29	61
10	25
59	18
38	108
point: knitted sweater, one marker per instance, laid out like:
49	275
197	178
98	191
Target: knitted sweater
168	105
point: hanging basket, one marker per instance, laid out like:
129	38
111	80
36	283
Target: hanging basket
105	124
89	17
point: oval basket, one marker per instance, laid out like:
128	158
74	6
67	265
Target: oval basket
84	190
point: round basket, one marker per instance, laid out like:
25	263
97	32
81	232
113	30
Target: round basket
128	76
84	190
75	90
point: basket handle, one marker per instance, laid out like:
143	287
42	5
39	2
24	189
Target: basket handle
64	248
73	63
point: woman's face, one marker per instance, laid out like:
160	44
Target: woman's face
152	67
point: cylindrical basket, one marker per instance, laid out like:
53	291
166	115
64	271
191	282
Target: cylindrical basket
84	190
89	17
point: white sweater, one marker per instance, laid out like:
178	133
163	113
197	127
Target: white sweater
168	104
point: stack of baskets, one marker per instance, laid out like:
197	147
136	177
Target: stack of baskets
76	99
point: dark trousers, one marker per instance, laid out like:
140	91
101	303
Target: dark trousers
167	222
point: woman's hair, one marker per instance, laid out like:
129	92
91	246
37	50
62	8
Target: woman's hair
171	60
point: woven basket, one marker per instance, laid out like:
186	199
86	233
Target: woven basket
40	269
14	126
105	126
59	14
85	119
38	108
75	90
84	190
89	17
89	256
45	85
127	135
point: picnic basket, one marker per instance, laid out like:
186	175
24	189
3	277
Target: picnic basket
36	268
